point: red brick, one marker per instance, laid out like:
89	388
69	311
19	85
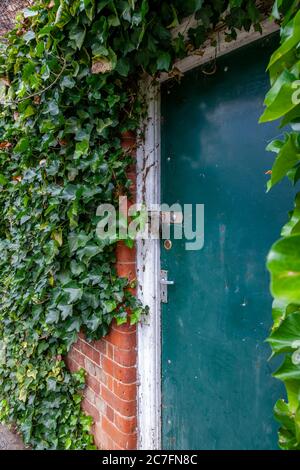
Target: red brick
128	135
129	145
78	357
125	441
125	328
133	291
132	189
124	253
116	447
125	408
131	169
89	395
110	350
126	270
101	376
77	345
125	391
72	365
100	405
125	357
93	384
90	367
126	425
100	345
110	414
131	175
90	352
102	440
124	374
110	382
122	340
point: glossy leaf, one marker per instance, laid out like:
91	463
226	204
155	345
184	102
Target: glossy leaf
284	265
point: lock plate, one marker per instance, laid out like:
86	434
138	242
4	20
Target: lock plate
164	283
163	287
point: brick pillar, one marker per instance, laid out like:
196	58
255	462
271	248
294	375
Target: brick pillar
110	396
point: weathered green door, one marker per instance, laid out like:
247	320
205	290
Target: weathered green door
217	389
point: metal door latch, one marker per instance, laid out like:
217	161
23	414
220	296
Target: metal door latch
164	283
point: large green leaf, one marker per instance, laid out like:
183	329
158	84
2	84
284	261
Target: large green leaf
63	15
284	265
279	100
288	371
291	35
288	156
286	338
284	415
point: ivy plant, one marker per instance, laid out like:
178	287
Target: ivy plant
283	102
68	90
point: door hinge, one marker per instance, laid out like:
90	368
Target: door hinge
164	283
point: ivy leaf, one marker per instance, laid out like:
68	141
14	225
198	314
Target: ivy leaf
63	15
22	145
101	125
163	61
29	36
81	148
235	3
88	252
3	180
123	66
93	322
52	108
66	310
78	35
51	384
68	443
29	12
102	4
28	70
198	5
77	268
67	82
29	111
52	316
276	9
74	325
78	240
89	6
74	292
57	236
109	305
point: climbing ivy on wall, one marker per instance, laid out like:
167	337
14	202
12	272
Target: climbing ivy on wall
69	72
283	102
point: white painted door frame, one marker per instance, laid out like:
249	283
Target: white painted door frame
148	251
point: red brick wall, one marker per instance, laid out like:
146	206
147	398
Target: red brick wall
110	363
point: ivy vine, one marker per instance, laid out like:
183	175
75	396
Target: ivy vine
68	90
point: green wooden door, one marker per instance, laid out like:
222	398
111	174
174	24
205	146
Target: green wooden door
217	389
